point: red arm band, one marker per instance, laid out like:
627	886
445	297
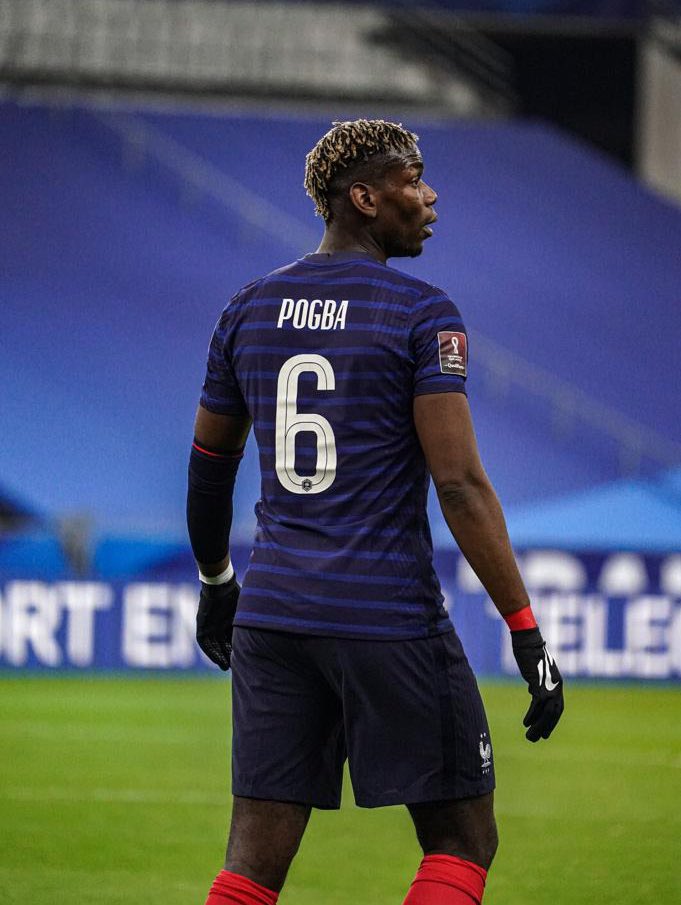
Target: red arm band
521	619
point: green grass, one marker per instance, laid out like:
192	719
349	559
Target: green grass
114	791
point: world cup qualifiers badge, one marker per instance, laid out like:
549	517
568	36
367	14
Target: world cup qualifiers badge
453	352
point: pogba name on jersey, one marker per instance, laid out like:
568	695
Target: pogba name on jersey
314	314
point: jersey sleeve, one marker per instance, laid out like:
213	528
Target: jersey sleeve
221	392
438	346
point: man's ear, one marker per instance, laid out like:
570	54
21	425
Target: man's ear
364	197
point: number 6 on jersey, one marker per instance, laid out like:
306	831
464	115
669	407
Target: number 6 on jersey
290	422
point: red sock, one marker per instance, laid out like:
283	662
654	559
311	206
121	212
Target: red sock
447	880
233	889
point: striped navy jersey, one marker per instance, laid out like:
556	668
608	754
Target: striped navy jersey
326	356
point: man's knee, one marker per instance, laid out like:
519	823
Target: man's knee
465	828
264	838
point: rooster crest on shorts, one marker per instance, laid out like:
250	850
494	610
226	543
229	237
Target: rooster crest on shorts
485	749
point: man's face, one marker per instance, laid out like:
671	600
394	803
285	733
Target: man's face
404	208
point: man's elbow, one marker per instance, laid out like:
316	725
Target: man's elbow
462	493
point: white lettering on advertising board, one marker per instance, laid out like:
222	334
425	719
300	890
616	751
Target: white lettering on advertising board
577	626
32	613
158	625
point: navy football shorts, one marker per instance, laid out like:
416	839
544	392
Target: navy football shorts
407	715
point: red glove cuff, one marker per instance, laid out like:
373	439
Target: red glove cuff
521	619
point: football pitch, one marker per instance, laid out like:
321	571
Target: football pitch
115	791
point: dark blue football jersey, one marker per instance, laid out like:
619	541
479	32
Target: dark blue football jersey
326	356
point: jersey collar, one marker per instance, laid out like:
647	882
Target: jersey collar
338	257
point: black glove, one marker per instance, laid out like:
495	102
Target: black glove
539	670
217	606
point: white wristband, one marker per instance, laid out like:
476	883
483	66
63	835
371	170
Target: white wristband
222	578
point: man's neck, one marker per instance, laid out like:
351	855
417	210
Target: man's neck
337	239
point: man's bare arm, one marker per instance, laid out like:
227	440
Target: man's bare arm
469	504
472	510
224	432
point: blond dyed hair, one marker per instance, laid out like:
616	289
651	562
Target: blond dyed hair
348	143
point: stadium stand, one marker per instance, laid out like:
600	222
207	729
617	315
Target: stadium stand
125	233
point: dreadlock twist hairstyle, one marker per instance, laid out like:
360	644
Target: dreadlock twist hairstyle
345	144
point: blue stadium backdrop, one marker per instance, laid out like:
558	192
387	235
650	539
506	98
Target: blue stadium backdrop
115	268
